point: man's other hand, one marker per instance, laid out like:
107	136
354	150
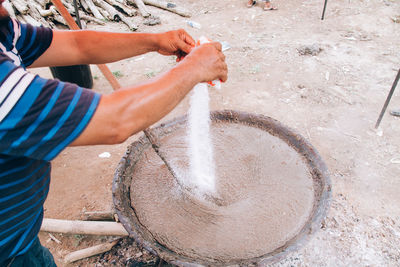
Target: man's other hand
207	63
178	43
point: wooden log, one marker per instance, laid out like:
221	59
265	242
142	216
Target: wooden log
34	8
58	18
46	12
93	9
132	26
110	10
116	16
90	19
142	8
7	5
31	21
21	6
43	3
168	6
98	216
83	227
84	6
105	14
122	8
20	19
82	15
89	252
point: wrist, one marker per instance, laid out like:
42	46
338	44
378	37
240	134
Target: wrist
186	73
155	40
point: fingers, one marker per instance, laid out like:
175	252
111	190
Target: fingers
187	38
186	43
217	45
224	75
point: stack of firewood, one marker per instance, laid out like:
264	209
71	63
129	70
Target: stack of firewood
43	12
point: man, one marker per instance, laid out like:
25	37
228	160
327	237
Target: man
267	6
40	117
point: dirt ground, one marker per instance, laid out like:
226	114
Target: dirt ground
332	98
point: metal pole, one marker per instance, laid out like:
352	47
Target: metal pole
323	11
396	80
78	18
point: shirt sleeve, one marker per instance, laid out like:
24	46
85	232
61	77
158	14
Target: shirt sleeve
40	117
31	41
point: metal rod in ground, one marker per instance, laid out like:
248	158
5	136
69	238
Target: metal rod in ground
323	11
78	19
396	80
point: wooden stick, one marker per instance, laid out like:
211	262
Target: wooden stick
58	18
98	216
142	8
83	227
48	12
82	15
168	6
52	237
89	252
84	6
35	7
105	14
94	9
110	9
20	6
9	8
128	22
43	3
30	20
122	8
116	16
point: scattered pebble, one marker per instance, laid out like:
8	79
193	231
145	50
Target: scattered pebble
396	19
152	20
312	50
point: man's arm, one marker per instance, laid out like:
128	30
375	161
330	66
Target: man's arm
130	110
94	47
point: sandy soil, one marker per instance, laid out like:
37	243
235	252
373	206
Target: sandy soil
332	98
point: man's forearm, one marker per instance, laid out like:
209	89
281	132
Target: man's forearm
93	47
104	47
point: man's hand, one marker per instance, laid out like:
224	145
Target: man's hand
207	63
178	43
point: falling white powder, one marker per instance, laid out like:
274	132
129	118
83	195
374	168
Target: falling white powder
202	166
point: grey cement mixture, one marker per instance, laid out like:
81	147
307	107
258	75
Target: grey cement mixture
265	186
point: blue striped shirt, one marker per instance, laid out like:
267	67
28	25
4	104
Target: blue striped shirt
38	119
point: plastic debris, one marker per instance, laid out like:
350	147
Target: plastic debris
225	46
193	24
395	160
105	155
